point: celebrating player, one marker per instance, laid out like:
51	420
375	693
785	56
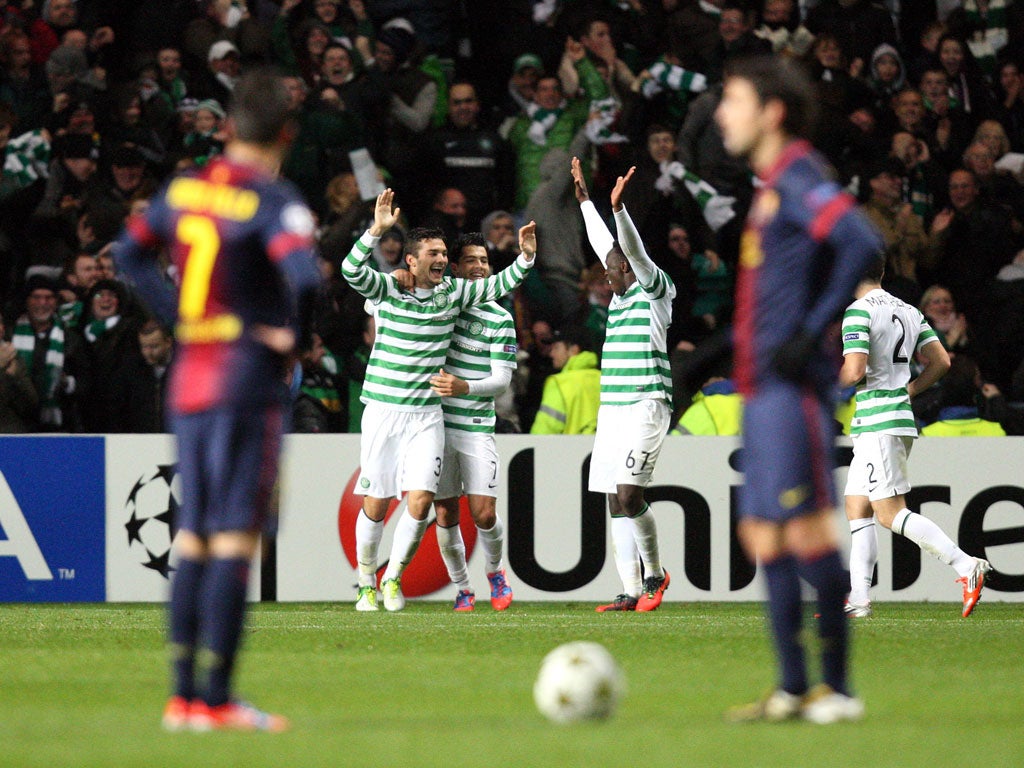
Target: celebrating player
481	359
242	242
402	447
636	396
804	249
881	334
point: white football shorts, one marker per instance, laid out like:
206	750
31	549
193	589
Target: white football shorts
627	444
471	465
399	451
879	466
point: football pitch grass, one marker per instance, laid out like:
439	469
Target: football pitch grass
84	685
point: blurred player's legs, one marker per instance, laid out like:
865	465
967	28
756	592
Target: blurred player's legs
228	467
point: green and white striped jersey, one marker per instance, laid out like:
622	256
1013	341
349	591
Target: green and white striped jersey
634	359
889	332
414	329
484	336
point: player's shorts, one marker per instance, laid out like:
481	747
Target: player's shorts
471	465
627	444
399	451
787	453
227	461
879	466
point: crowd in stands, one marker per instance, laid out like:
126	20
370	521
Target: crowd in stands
471	112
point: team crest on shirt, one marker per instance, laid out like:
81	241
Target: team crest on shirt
751	254
441	300
476	328
766	205
791	498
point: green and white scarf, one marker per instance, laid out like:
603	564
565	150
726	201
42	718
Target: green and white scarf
991	34
541	121
662	76
70	313
24	340
604	112
27	158
717	209
96	328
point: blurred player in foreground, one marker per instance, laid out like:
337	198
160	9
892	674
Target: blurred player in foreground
241	240
804	250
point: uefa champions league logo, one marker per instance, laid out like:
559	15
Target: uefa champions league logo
151	508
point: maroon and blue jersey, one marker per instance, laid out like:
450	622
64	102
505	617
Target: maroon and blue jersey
241	243
804	249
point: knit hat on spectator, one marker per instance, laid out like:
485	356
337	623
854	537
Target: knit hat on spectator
39	282
220	49
76	146
528	61
211	105
399	40
107	284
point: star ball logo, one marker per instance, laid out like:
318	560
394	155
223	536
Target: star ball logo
152	508
426	573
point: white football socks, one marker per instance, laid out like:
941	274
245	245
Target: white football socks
368	533
863	556
627	559
453	552
408	533
492	540
645	531
929	537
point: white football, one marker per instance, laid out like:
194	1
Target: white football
578	681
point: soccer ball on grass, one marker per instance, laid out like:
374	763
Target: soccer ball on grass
578	681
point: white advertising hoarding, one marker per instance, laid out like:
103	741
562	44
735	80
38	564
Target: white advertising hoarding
557	537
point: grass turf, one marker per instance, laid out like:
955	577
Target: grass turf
84	685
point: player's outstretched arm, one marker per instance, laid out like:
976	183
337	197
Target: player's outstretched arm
528	240
385	215
600	238
646	271
620	187
366	281
579	184
496	286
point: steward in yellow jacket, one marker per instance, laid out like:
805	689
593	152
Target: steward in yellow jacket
716	410
571	397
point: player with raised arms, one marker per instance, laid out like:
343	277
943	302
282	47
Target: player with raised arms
402	445
636	396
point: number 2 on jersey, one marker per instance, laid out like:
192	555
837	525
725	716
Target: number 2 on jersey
898	352
200	234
